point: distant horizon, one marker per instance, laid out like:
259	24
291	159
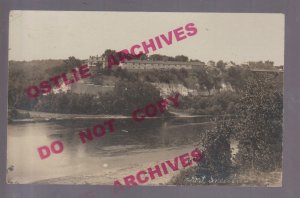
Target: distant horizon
146	60
237	37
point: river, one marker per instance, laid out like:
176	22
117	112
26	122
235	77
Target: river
129	148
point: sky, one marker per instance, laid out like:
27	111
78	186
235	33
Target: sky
238	37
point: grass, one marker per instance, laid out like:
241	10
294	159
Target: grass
241	178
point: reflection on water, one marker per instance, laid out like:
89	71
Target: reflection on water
25	138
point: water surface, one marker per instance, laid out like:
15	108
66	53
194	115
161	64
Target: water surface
106	152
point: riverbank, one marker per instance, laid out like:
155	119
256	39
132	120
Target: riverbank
36	116
107	168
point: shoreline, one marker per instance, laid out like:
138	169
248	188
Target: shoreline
106	169
36	116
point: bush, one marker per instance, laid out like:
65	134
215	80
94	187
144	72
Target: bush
216	142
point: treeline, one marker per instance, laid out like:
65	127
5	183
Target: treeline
126	97
25	73
143	56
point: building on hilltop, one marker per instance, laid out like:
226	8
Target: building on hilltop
94	60
145	64
161	65
279	67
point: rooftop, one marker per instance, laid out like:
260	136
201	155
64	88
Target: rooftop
164	62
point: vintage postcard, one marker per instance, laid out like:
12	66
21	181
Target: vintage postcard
145	98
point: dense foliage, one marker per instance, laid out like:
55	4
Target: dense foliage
259	124
255	126
126	97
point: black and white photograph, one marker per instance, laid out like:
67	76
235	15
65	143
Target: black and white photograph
145	98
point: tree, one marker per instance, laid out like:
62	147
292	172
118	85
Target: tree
237	77
258	124
221	65
17	82
111	58
205	78
156	57
194	60
16	86
109	52
182	74
66	67
181	58
143	56
132	95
